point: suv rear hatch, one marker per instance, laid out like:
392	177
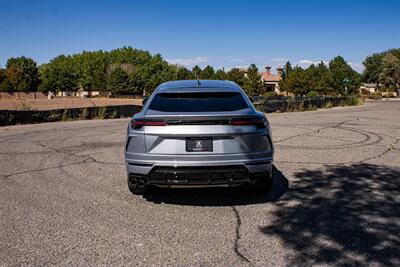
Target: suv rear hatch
202	123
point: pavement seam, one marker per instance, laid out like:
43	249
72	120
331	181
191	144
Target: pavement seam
389	148
237	236
5	176
85	159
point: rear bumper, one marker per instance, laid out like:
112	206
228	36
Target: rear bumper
216	170
144	163
199	176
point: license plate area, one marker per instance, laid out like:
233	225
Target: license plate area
199	144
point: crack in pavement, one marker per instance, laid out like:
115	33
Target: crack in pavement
237	236
85	159
316	130
365	142
389	148
5	176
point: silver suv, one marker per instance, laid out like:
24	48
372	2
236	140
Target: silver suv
198	133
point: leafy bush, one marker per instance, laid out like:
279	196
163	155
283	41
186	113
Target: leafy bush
65	116
269	94
6	86
328	104
84	114
376	95
101	113
312	94
311	107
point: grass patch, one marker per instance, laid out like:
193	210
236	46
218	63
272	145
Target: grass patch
84	114
328	105
24	106
311	107
101	113
114	114
65	116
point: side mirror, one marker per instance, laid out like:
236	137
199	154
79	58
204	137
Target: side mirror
251	99
144	100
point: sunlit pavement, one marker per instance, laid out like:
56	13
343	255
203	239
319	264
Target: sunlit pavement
335	199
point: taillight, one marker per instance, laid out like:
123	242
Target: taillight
259	123
137	124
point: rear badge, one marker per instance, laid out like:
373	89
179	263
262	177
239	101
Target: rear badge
199	144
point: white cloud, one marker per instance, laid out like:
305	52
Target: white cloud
240	67
357	66
189	61
309	62
306	61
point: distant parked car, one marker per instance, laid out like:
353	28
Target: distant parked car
198	133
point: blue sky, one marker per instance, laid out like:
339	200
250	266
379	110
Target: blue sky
219	33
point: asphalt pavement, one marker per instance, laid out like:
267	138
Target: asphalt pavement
335	198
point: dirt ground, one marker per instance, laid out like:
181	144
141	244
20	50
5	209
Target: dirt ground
61	103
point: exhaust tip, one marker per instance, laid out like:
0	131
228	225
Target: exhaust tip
133	181
141	183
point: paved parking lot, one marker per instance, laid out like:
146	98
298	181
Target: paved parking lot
335	199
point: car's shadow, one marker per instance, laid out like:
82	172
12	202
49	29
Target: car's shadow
340	216
220	196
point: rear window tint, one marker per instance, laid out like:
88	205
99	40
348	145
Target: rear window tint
198	102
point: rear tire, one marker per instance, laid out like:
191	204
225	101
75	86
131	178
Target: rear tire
137	188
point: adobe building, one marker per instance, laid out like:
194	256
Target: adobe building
271	80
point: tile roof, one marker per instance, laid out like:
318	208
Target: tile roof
267	76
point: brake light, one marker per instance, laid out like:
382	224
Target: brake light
248	122
137	124
155	123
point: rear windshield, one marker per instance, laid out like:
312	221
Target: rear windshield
198	102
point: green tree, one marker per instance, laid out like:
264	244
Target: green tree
6	86
208	73
237	76
287	69
252	83
184	74
296	81
118	82
22	74
197	72
220	75
3	75
390	74
92	70
345	80
374	65
60	74
319	79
